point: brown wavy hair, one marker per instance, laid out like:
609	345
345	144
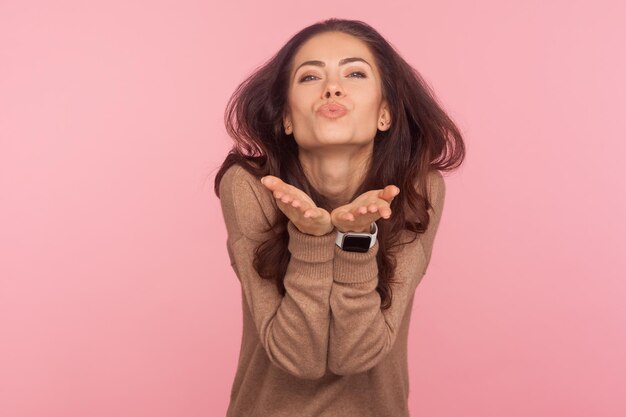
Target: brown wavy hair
422	138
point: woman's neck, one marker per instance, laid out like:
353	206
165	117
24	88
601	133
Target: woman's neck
336	173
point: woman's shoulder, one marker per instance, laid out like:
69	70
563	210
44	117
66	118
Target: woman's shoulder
435	184
247	200
237	177
236	173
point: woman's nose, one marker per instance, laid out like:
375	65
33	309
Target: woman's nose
333	88
331	92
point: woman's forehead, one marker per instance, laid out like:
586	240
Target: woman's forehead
332	47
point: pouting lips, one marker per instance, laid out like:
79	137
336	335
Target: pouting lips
332	110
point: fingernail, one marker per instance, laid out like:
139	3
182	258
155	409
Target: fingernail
263	180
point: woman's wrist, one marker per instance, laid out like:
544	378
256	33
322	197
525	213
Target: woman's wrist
356	230
316	231
364	229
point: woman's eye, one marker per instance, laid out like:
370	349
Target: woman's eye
361	75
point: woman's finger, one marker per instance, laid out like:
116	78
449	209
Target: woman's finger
312	213
271	181
389	193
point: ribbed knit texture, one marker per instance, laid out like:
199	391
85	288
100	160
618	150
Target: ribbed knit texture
325	349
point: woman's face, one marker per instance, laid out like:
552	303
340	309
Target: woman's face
355	84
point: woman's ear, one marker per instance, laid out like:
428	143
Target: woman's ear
384	119
287	124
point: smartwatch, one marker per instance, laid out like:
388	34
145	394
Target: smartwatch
355	241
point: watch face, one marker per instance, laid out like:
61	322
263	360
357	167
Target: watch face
356	243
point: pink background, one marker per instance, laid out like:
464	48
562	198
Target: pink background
116	293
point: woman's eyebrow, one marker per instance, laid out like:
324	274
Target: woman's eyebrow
323	64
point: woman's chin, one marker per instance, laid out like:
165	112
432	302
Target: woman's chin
333	141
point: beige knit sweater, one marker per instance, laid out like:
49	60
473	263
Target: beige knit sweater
325	348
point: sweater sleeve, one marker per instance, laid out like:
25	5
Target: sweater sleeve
361	334
292	329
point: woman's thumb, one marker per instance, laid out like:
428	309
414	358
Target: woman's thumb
389	193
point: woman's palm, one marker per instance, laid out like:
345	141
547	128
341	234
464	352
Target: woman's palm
365	209
298	207
307	217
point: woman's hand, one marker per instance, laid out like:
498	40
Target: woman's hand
299	207
365	209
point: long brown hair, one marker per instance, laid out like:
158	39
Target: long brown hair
421	138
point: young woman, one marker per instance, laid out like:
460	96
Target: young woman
331	195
